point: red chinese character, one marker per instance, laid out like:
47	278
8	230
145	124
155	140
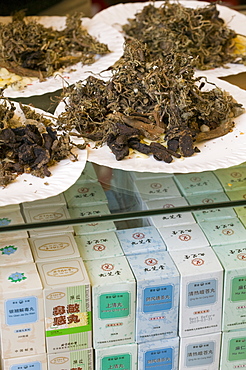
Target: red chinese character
59	310
60	320
71	308
73	318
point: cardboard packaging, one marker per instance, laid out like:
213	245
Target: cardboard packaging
200	352
156	188
35	362
116	357
21	311
157	295
214	213
100	245
201	281
95	226
47	214
140	240
10	216
56	201
113	301
85	194
233	350
233	259
195	183
226	231
88	174
76	360
170	218
183	237
159	354
67	304
15	252
54	247
232	178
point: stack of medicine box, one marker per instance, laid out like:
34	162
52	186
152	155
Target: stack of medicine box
233	258
225	231
201	274
21	299
66	287
157	303
112	282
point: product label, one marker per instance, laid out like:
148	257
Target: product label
238	289
159	298
36	365
201	293
122	361
200	354
237	349
113	305
159	359
21	311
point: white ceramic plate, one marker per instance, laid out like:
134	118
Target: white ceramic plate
102	32
27	187
222	152
119	14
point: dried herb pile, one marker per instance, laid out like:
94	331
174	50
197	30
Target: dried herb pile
160	100
28	48
31	146
199	32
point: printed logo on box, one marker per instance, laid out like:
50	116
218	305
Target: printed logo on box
50	247
55	295
48	216
36	365
63	271
59	360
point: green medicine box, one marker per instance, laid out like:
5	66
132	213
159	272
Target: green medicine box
233	259
233	351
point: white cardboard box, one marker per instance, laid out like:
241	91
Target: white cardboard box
54	247
35	362
140	240
200	352
10	217
67	303
201	281
183	237
159	354
47	214
157	303
113	301
21	311
76	360
15	252
85	194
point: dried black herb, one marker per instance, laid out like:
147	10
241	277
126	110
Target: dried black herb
199	33
28	48
31	146
160	100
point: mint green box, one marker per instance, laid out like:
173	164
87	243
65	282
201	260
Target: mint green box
233	260
95	226
226	231
100	245
232	178
214	213
113	301
85	194
233	351
117	357
195	183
